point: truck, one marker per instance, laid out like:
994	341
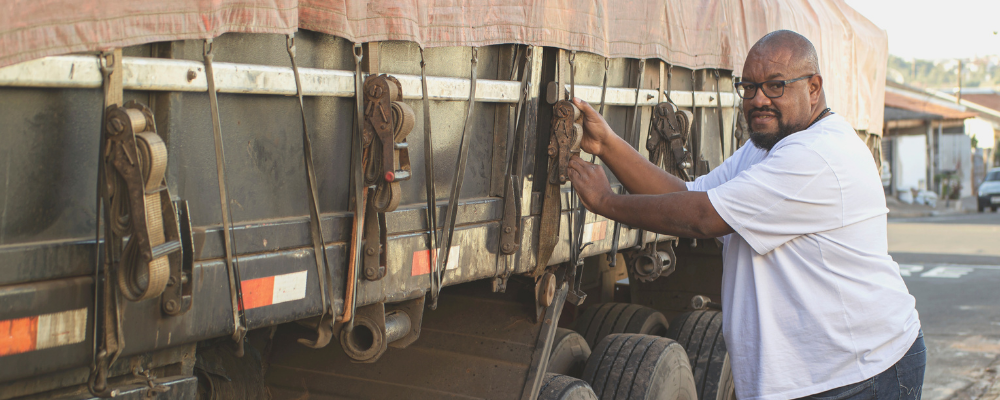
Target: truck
333	199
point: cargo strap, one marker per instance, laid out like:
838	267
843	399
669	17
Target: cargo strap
456	189
138	204
633	136
722	127
107	312
432	234
670	131
324	328
741	128
232	262
563	137
139	201
510	225
613	255
358	193
578	213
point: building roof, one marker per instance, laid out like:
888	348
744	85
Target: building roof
899	114
921	103
989	100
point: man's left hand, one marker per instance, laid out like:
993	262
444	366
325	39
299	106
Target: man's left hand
591	183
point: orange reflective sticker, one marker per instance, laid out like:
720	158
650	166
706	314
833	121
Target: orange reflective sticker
18	335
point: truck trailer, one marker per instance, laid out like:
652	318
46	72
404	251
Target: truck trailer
326	199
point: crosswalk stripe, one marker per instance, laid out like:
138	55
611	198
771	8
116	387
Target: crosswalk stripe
909	269
947	272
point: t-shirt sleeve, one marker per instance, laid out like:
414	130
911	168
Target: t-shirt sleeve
793	192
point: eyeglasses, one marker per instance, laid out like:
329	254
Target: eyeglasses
771	89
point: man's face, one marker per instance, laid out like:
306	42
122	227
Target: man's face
770	119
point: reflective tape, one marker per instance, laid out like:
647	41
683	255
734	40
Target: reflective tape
44	331
421	259
595	231
276	289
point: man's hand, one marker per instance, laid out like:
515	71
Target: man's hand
591	183
596	132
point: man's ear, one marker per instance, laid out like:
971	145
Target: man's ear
815	88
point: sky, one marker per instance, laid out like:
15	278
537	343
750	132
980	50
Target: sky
934	29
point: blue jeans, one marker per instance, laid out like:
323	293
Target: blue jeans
902	381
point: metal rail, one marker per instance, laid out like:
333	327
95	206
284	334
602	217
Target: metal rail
161	74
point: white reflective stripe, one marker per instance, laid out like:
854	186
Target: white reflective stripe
647	97
160	74
61	328
289	287
454	256
588	233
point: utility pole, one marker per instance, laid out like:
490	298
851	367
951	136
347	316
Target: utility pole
959	101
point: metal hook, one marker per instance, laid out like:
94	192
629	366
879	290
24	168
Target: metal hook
208	47
290	43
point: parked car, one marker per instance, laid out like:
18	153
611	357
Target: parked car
989	191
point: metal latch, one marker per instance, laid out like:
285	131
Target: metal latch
387	123
178	297
567	133
668	140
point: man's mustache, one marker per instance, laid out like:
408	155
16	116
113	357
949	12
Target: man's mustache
754	111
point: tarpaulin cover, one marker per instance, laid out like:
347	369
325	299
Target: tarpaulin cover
689	33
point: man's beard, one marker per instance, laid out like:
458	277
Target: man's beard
765	141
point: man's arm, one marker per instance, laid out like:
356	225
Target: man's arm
634	171
683	213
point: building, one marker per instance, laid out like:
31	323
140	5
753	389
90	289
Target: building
925	145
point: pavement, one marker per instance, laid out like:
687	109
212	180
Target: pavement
950	261
898	209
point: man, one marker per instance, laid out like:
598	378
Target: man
813	304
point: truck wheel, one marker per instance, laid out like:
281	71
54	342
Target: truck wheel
597	322
569	353
562	387
700	332
639	367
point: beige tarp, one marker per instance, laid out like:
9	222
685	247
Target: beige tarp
690	33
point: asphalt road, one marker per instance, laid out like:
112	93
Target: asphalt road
951	264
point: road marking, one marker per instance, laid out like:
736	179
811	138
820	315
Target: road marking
947	272
909	269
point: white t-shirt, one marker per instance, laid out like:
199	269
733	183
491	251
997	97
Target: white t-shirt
812	299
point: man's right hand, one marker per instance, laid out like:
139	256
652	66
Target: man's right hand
597	134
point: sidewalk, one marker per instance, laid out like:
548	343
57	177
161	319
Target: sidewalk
898	209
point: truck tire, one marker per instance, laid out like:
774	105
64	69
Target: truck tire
639	367
569	353
562	387
599	321
700	332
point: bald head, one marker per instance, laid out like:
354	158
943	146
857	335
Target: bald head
799	53
788	63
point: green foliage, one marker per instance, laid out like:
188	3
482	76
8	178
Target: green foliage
943	74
